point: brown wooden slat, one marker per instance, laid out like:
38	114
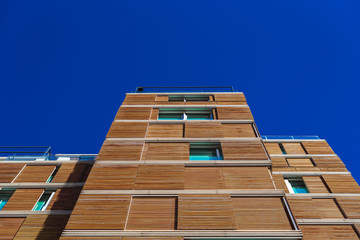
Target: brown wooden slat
329	162
230	97
247	178
70	172
279	162
327	208
330	232
162	98
23	199
154	114
262	213
300	162
279	182
273	148
204	178
293	148
303	207
317	147
133	113
64	199
94	238
152	213
234	113
238	130
9	227
201	212
35	174
152	238
9	171
127	130
315	184
140	97
166	151
341	183
350	205
103	212
160	177
244	150
165	131
203	130
120	150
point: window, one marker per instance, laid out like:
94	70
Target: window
53	174
205	151
188	98
186	114
296	185
282	148
43	201
5	195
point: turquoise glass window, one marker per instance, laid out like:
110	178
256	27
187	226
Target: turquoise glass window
199	116
41	204
298	186
3	199
53	175
203	151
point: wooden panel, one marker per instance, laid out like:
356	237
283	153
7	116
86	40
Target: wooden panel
133	113
230	97
273	148
152	238
238	130
64	199
111	176
279	162
9	227
203	130
23	199
162	98
160	177
95	238
327	208
247	178
244	150
166	151
140	97
329	162
317	147
35	174
204	178
42	227
103	212
293	148
315	184
154	114
262	213
341	183
152	213
234	113
9	171
165	131
303	207
300	162
350	205
330	232
201	212
127	130
279	182
70	172
119	150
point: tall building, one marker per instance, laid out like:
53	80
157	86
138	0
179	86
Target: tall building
186	164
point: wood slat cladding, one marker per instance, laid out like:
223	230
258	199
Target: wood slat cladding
201	212
120	150
152	213
330	232
350	205
139	98
203	130
35	174
9	171
162	98
154	114
166	151
327	208
9	227
42	227
237	130
327	163
111	176
160	177
303	207
279	182
64	199
234	113
317	147
204	178
70	172
300	162
152	238
133	113
315	184
341	183
103	212
23	199
230	98
94	238
273	148
293	148
260	213
244	150
165	131
127	130
247	178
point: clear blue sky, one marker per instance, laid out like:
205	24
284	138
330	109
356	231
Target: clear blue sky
65	65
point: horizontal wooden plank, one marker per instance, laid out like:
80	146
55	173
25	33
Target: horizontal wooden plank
229	97
315	184
132	113
9	171
317	147
9	227
332	232
247	178
341	183
273	148
127	130
244	150
303	207
35	173
23	199
64	199
203	130
293	148
165	131
70	172
120	150
166	151
238	130
350	206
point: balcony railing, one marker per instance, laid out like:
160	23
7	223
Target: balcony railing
290	137
182	89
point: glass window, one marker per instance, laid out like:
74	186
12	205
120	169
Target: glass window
186	114
205	151
181	98
296	185
5	195
44	200
53	174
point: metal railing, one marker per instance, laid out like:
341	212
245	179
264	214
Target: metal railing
183	89
290	137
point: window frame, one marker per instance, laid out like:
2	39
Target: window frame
290	187
46	202
204	146
186	112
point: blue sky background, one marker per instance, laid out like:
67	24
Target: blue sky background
65	65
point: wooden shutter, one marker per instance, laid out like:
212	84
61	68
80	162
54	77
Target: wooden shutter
201	212
35	173
350	205
341	183
303	207
154	114
300	162
280	162
152	238
204	178
133	113
152	213
160	177
111	176
260	213
238	130
239	97
333	232
203	130
9	171
139	99
119	150
293	148
99	212
166	151
162	98
9	227
64	199
127	130
243	150
317	147
23	199
165	131
247	178
70	172
234	113
315	184
327	208
332	163
279	182
273	148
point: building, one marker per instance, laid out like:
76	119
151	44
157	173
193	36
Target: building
188	164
